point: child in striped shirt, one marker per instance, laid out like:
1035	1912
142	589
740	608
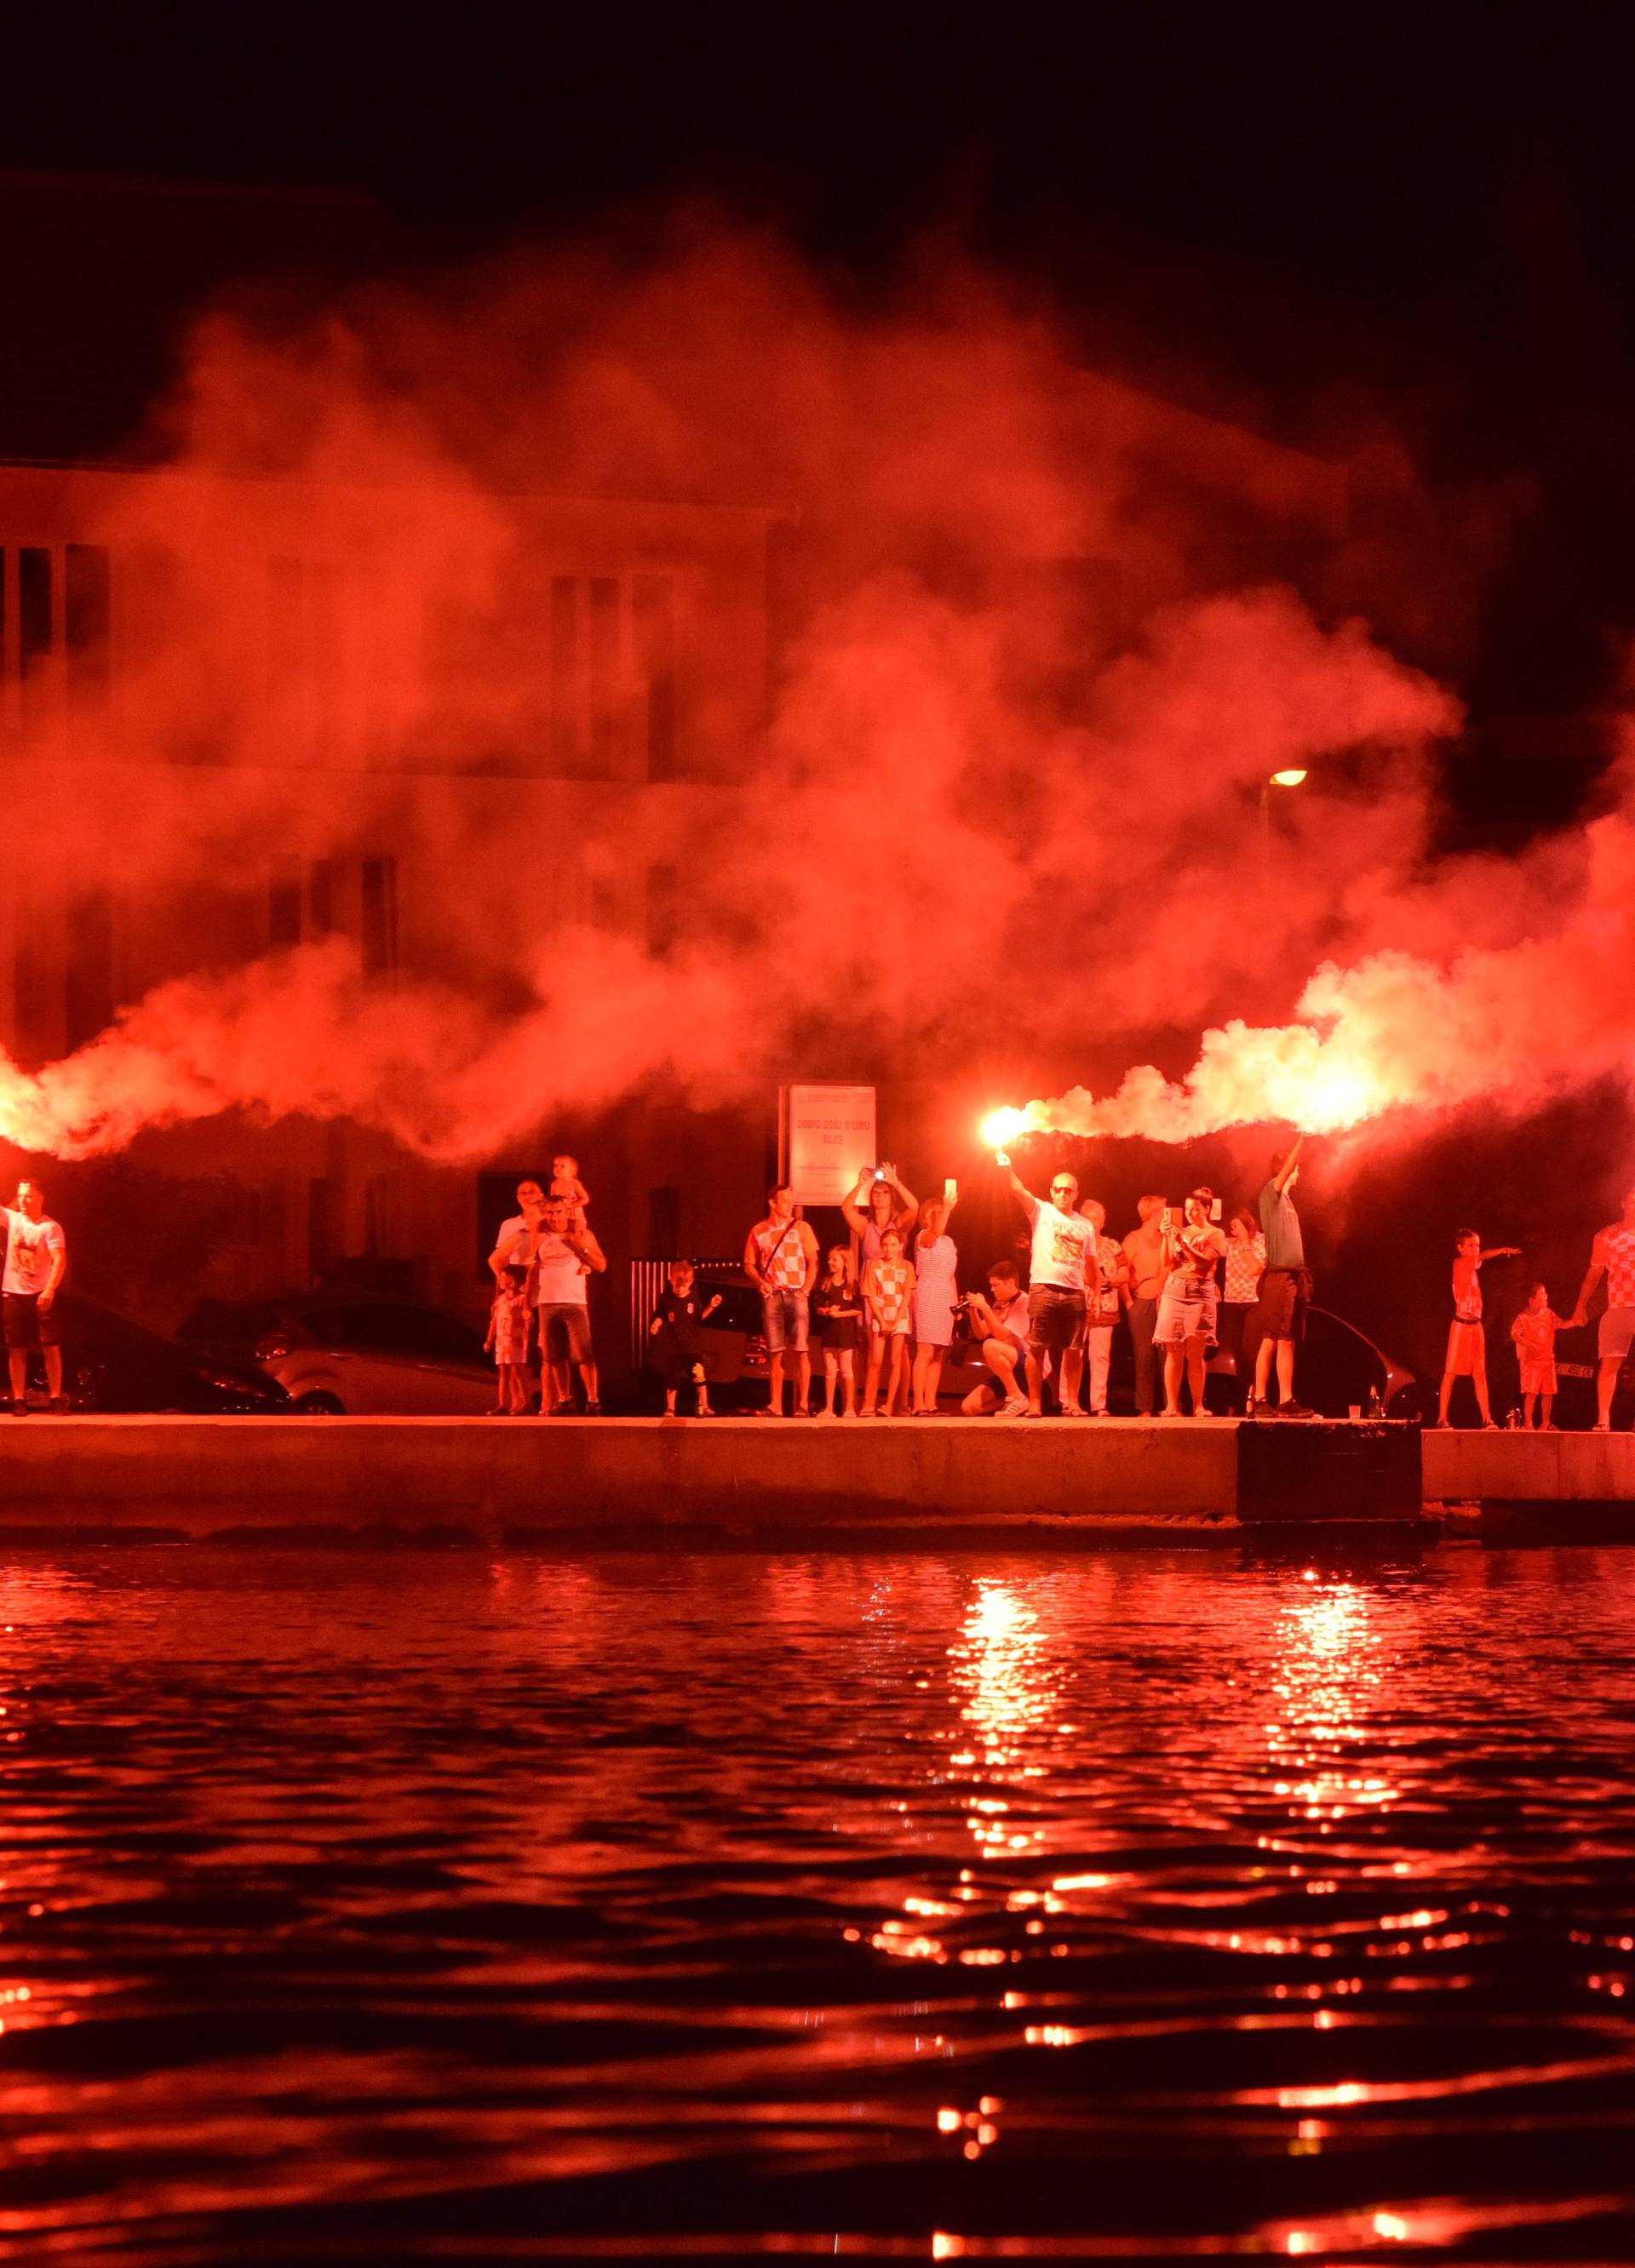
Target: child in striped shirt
889	1299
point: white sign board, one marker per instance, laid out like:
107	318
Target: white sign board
829	1139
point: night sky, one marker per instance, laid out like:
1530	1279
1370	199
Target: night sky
1322	223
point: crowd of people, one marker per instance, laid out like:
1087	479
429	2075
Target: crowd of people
893	1287
870	1321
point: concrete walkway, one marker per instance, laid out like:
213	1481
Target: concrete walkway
523	1481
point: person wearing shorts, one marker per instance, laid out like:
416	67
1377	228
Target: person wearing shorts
36	1256
999	1334
1105	1279
780	1260
564	1260
1063	1250
1147	1260
1279	1319
1467	1335
1534	1332
888	1302
1188	1304
672	1343
1612	1255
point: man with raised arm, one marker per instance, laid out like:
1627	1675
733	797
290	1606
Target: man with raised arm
1064	1248
1285	1287
1612	1255
36	1256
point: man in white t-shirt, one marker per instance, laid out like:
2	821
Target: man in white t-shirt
524	1222
562	1261
1063	1247
36	1255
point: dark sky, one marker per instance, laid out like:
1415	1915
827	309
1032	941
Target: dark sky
1308	217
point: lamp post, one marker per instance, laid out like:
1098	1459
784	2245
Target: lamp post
1291	777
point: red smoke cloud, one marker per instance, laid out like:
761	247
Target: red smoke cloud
975	808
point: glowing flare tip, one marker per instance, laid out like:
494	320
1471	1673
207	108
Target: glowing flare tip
1002	1126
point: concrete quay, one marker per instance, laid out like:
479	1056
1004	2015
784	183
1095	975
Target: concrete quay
1531	1487
933	1483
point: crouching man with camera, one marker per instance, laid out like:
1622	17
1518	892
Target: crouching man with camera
998	1325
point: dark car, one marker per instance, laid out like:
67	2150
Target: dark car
340	1353
1335	1370
110	1363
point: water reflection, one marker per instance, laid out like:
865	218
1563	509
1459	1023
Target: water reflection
1149	1904
1331	1666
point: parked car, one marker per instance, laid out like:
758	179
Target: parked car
1336	1368
110	1363
341	1354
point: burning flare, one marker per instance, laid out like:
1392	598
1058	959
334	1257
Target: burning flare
1507	1026
1002	1126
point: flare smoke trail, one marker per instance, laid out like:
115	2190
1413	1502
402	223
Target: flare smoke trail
1512	1028
924	837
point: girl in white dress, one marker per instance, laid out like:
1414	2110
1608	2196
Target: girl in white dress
936	1259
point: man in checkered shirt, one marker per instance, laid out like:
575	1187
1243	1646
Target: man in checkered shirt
780	1260
1613	1254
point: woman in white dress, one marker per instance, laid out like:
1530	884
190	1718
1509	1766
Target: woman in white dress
936	1259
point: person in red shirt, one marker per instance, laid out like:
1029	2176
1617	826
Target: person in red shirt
1533	1332
1466	1341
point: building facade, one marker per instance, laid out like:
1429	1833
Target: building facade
250	715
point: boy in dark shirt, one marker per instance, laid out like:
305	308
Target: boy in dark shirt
671	1340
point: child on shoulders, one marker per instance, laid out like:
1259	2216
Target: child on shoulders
566	1186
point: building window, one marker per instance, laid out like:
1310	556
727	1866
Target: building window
300	903
33	620
653	601
380	918
284	905
604	675
87	619
565	675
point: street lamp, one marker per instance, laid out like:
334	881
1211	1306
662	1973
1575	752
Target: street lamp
1290	777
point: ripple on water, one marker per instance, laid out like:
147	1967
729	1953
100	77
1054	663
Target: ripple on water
1141	1903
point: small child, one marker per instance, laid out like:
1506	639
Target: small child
510	1321
1467	1342
566	1185
1533	1332
672	1336
839	1311
888	1296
